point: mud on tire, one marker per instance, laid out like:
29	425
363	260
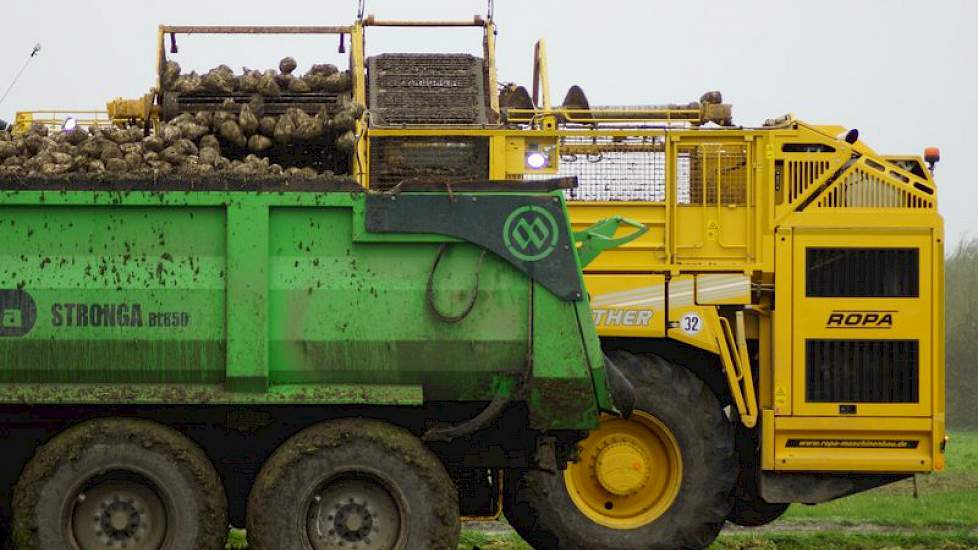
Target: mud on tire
316	481
165	462
755	513
538	505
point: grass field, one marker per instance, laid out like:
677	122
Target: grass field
945	516
947	500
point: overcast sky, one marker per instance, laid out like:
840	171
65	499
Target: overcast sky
904	73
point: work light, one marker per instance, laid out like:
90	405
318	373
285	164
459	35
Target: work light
535	160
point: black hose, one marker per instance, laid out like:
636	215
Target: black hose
430	291
474	424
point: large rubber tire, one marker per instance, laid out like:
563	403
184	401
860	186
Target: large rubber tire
755	513
95	453
307	469
5	543
540	508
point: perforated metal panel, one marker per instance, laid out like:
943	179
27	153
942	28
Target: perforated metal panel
427	89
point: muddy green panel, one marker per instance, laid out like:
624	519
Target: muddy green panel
345	312
569	386
120	295
221	297
562	393
589	335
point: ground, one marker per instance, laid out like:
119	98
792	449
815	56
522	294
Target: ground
945	516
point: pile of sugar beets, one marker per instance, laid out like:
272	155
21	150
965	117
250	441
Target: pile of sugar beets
231	139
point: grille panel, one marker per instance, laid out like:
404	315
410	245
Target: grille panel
862	272
174	103
431	159
800	175
862	371
427	89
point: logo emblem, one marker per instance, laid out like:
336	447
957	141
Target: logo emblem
860	319
18	313
530	233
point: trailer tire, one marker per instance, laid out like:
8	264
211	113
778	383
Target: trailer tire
5	543
337	481
149	477
540	507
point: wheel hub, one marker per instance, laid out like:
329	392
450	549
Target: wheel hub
353	522
357	514
122	519
622	467
629	473
119	514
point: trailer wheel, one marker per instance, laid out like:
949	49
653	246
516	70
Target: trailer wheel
661	479
4	529
353	483
119	483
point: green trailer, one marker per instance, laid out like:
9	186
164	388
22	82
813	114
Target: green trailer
331	367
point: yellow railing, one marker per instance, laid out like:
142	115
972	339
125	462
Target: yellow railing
54	119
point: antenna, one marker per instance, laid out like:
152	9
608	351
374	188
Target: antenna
361	7
34	52
492	9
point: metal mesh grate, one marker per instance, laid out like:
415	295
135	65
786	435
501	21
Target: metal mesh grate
631	169
427	89
712	174
432	159
862	371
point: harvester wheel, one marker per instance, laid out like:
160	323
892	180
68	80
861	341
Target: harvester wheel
755	513
661	479
119	483
353	483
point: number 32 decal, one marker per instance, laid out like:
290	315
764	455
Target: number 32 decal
691	323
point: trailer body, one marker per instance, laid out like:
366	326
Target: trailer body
216	297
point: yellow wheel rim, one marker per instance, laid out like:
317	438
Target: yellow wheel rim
629	473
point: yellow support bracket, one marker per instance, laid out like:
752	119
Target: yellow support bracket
718	337
736	365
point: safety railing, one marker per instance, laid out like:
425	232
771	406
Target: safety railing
55	119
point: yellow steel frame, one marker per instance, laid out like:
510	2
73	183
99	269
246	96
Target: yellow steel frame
736	208
758	238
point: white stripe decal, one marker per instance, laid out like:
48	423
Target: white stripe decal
643	291
680	292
